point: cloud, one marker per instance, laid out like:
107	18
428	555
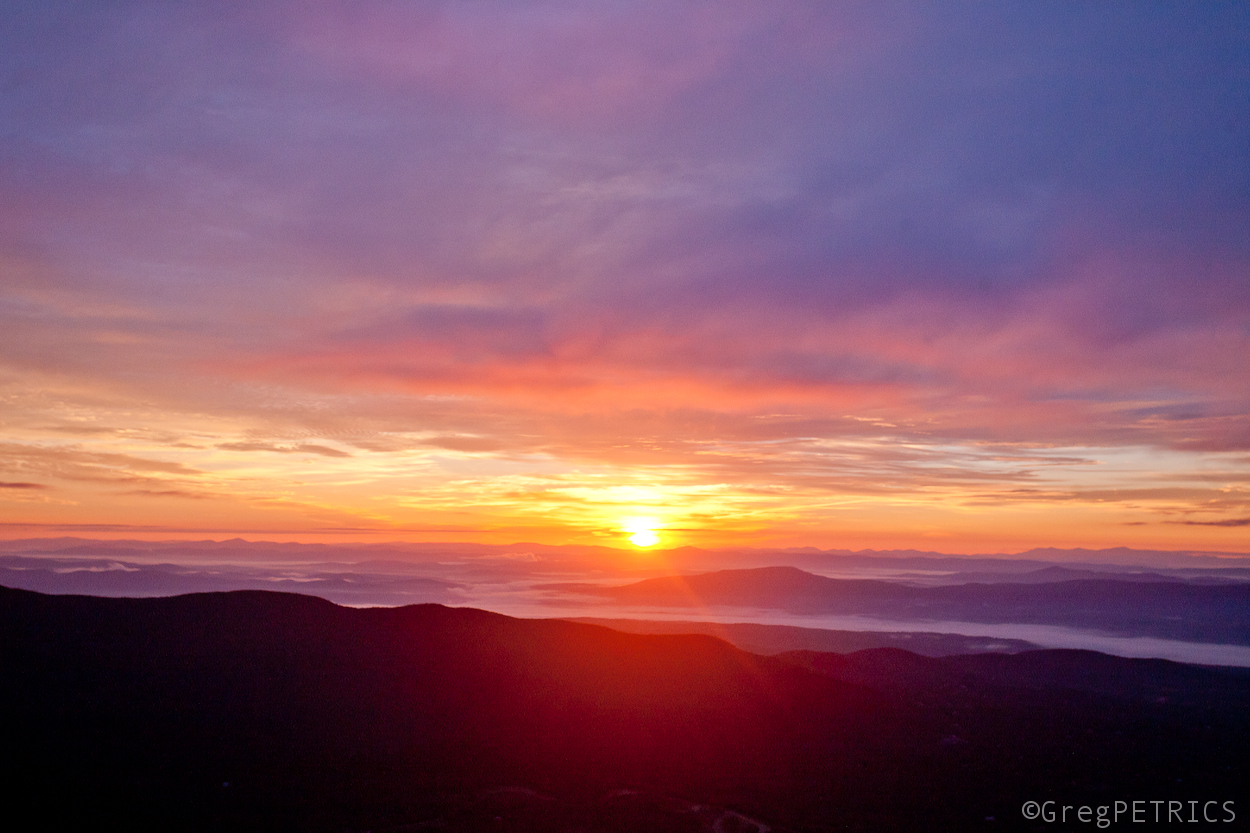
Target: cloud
78	463
180	493
552	240
300	448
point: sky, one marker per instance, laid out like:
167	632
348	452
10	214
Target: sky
961	277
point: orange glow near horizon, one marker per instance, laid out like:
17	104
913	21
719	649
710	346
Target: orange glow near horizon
165	475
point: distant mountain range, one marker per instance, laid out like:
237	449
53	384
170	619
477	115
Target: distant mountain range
1167	609
271	711
501	577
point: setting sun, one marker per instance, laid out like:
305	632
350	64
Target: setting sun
642	531
646	538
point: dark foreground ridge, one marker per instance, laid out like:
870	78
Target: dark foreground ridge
272	711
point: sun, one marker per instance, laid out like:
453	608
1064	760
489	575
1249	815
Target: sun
645	538
643	530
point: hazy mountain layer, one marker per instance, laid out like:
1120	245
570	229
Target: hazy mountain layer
1172	610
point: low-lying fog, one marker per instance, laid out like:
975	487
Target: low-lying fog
520	583
524	603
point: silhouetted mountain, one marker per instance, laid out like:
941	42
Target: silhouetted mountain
1056	573
777	639
269	711
1203	613
1154	681
494	577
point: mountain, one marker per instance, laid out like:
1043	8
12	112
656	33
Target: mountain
503	578
988	676
777	639
270	711
1168	609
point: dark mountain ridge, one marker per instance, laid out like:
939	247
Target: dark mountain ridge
271	711
778	639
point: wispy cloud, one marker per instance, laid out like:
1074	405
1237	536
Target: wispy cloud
300	448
